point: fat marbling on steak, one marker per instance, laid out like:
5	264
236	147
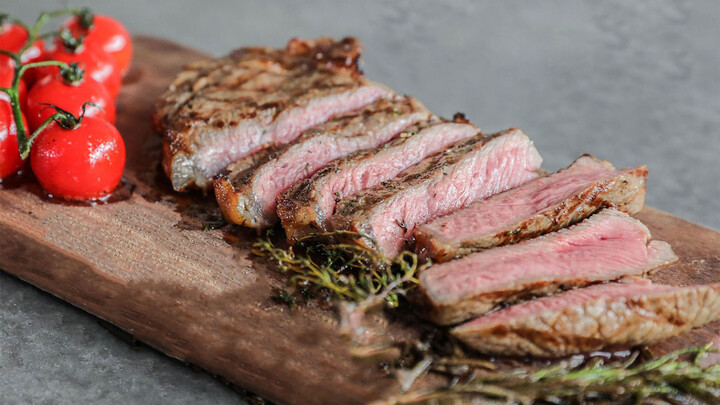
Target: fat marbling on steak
441	184
535	208
218	111
306	207
592	318
247	194
607	246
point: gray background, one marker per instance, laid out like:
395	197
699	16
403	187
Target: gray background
631	81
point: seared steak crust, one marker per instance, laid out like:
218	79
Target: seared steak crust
247	194
439	185
217	111
306	207
593	318
596	185
607	246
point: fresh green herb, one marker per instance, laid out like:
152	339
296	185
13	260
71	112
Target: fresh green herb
351	272
361	280
676	378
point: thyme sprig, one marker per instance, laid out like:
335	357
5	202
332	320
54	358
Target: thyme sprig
350	272
361	280
675	378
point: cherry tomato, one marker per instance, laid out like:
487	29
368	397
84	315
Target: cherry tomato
98	65
106	34
79	164
70	97
12	38
10	161
7	75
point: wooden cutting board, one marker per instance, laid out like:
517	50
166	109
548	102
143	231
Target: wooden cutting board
150	265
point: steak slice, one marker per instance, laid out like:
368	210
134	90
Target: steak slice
217	111
593	318
443	183
247	195
607	246
535	208
306	207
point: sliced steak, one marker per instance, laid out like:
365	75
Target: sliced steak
535	208
247	195
306	207
217	111
468	171
606	246
593	318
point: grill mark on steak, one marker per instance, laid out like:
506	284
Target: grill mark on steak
607	246
593	318
306	207
218	111
247	195
533	209
439	185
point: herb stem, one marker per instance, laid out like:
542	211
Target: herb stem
351	272
669	379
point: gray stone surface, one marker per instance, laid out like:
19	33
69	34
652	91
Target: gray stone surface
634	82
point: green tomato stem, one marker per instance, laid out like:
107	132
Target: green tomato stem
24	68
41	21
24	142
25	152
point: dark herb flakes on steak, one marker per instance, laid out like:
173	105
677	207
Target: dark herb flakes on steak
441	184
607	246
535	208
218	111
247	195
307	206
592	318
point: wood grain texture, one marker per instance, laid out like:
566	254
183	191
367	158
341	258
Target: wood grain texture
147	266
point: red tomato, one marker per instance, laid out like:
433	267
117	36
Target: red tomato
10	161
79	164
68	96
107	34
12	38
98	65
7	75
